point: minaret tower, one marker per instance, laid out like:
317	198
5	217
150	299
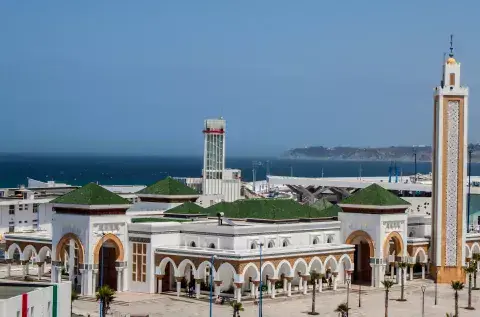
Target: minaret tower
449	193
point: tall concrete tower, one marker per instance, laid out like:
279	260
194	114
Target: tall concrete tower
449	194
213	156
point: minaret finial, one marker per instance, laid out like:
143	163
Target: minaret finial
451	46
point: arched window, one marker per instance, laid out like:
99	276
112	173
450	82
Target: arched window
193	244
271	244
315	241
253	246
211	246
285	243
329	239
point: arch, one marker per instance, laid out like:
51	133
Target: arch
315	264
182	266
227	274
119	252
284	268
420	252
475	248
202	268
247	269
347	261
301	266
315	241
359	235
270	244
285	243
253	245
11	251
468	253
331	263
211	246
193	244
398	244
163	264
42	254
60	255
330	239
28	251
268	269
227	265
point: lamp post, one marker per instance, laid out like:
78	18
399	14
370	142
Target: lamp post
260	303
211	283
470	151
424	287
348	291
360	294
436	286
415	163
101	274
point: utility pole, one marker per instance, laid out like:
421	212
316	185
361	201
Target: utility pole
415	163
470	152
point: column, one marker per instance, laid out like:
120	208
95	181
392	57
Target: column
404	275
423	271
269	286
273	290
256	284
27	268
252	290
335	278
284	285
238	290
119	278
392	270
179	284
159	283
320	285
83	282
300	283
305	285
94	279
289	286
197	288
9	268
411	272
24	268
71	261
39	265
217	288
399	275
58	272
373	275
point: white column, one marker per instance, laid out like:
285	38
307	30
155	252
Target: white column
40	271
179	287
373	275
300	284
24	269
284	285
119	279
217	290
239	294
94	279
404	275
399	275
335	278
392	271
71	260
411	273
9	269
197	290
320	285
83	281
125	278
252	290
27	268
269	287
273	289
58	272
159	285
289	288
305	287
423	271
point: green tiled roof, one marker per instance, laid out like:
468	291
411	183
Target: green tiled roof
374	195
168	187
272	209
141	220
322	204
187	208
331	211
91	194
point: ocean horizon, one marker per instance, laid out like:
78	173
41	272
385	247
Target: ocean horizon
78	169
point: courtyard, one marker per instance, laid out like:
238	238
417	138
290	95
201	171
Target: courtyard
372	301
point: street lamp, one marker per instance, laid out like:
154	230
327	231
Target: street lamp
260	303
360	294
349	281
470	151
211	283
436	286
101	274
415	163
424	287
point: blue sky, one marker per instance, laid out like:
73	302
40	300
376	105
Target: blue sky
140	77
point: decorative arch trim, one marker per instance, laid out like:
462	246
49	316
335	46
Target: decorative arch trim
60	255
119	251
11	251
360	234
399	247
33	250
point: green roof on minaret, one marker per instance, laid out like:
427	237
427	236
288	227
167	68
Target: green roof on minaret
168	187
374	195
89	195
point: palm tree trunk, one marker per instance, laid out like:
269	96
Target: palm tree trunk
386	303
456	303
469	290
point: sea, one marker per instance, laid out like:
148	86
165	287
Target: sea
145	170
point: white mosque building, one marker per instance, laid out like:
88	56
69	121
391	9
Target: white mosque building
239	244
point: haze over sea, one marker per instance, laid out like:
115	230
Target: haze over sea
139	170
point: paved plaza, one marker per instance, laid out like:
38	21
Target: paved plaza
298	305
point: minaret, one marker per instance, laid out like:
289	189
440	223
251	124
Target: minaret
449	192
213	156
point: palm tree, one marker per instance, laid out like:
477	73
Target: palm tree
387	284
237	308
314	276
470	270
73	297
105	295
402	266
457	286
475	260
450	315
342	310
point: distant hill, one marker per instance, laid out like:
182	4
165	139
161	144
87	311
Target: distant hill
392	153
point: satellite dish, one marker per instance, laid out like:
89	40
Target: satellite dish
228	222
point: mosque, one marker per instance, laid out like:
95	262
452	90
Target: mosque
236	245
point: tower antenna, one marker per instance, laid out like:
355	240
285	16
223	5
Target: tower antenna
442	82
451	46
